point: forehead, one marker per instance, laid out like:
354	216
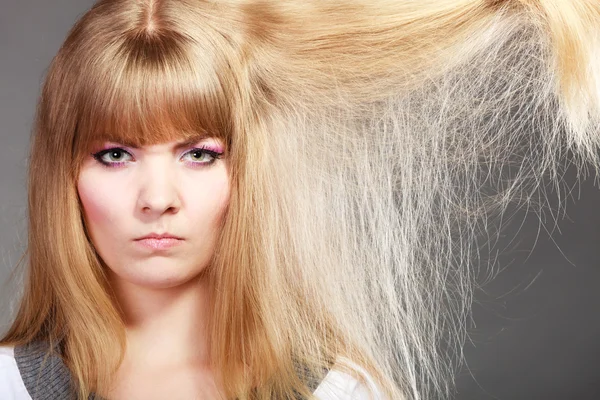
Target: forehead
145	117
152	98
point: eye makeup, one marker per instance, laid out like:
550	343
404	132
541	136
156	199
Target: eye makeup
103	157
207	155
201	156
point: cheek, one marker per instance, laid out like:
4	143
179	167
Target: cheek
100	203
205	201
208	203
93	209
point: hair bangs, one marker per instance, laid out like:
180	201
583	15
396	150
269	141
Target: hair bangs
154	89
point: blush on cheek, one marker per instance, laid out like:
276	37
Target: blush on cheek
92	212
86	198
96	202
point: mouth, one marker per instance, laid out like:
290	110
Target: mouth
162	241
165	235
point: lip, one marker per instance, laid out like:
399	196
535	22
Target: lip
157	241
154	235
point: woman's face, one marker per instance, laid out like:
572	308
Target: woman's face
176	189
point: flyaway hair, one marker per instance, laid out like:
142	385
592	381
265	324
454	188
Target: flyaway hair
371	144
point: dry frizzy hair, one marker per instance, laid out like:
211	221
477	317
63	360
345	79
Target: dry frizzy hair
370	144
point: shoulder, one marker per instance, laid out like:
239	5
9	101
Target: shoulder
11	383
341	385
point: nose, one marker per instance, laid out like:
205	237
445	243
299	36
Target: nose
158	193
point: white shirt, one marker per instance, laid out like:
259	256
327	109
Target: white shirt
11	384
336	385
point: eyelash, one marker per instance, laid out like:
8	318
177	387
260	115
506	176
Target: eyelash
204	150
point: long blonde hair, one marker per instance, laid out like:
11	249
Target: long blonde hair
369	142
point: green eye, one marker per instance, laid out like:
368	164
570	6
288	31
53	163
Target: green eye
202	156
112	157
115	155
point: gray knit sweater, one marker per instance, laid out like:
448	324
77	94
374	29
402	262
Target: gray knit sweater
46	377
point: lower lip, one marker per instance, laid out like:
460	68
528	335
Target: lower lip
159	244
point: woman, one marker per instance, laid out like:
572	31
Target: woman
280	200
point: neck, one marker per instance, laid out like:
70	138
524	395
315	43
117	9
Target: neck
166	326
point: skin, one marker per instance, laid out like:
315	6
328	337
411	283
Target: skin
163	295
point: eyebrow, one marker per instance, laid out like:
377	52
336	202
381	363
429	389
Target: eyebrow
186	143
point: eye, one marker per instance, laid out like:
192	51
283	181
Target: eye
112	157
203	156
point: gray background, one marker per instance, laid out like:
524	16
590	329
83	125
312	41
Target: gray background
535	326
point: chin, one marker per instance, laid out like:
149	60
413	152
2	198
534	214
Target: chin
157	276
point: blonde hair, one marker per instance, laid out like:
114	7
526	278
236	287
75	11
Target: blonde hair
370	143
